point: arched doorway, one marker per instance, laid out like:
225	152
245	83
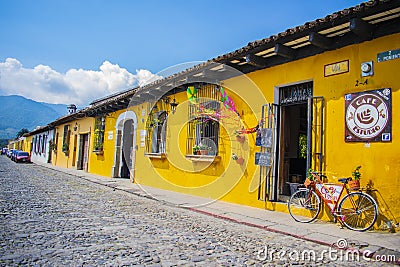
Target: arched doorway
125	146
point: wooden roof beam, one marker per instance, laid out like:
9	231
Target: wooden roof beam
361	28
256	61
285	51
124	101
207	75
319	40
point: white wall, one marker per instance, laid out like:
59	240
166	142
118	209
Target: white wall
41	146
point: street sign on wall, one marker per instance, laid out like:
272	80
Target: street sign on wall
264	137
263	159
369	116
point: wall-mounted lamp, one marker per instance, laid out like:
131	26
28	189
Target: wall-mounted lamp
165	99
173	104
76	127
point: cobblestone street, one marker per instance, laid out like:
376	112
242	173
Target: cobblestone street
49	218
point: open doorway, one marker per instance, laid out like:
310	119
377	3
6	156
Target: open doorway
74	150
125	146
83	156
294	136
126	149
293	146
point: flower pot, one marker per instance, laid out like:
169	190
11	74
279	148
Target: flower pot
203	152
354	184
98	152
240	161
307	182
240	138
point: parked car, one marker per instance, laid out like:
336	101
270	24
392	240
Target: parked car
4	151
22	156
14	154
9	152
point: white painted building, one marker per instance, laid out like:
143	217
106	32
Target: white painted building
42	139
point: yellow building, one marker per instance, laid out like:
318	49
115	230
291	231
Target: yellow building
325	92
85	140
71	142
246	126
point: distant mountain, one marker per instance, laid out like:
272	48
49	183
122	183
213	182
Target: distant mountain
59	108
17	112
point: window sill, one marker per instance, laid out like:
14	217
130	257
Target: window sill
203	158
156	155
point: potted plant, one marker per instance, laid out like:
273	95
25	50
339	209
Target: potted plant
98	149
354	184
240	136
310	178
65	148
195	149
203	149
53	146
238	159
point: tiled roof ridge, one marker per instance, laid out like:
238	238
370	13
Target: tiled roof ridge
251	45
306	26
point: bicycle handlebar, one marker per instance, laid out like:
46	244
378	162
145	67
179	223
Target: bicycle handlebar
319	174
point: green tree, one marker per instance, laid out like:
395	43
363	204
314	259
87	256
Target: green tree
22	132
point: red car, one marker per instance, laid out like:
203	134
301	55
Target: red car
22	156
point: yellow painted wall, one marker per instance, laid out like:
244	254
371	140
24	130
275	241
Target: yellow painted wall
224	180
221	179
28	144
380	161
22	143
76	127
102	164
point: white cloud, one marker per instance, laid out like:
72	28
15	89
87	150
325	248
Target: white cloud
77	86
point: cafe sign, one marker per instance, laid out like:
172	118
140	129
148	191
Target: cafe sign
368	116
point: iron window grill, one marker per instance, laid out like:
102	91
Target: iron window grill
66	135
156	126
99	126
156	133
203	130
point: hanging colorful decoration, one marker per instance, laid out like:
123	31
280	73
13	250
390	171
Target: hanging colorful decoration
210	114
227	100
249	130
192	94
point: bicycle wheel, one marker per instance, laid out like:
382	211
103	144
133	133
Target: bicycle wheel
304	205
358	211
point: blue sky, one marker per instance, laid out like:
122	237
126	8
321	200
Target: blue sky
128	36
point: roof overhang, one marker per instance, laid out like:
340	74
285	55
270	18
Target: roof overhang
361	23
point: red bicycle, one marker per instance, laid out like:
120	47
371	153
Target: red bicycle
358	211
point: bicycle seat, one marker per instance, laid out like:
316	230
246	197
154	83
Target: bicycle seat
344	180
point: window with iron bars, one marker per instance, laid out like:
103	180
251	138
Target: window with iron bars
156	133
203	129
65	147
99	126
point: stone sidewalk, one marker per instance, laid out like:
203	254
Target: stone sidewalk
372	243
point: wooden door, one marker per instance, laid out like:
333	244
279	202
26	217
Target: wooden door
85	152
